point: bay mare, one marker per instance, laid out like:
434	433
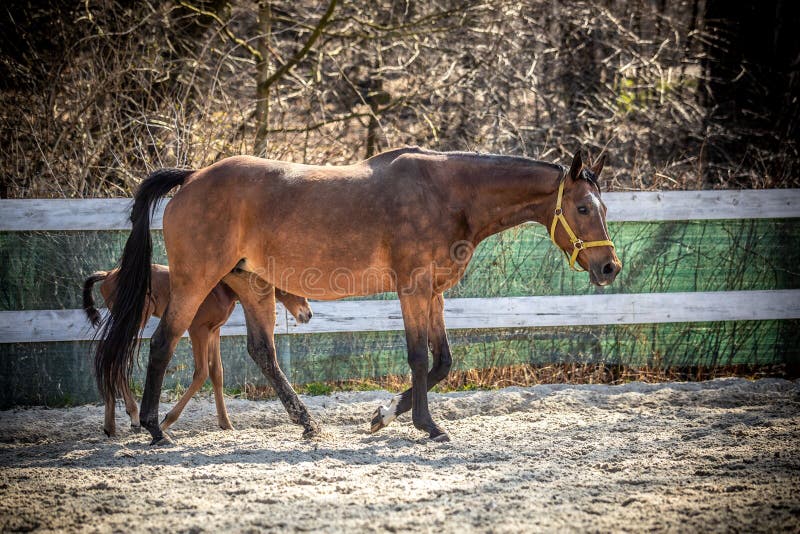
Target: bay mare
406	220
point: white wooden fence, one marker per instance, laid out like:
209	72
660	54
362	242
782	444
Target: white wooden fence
357	316
113	213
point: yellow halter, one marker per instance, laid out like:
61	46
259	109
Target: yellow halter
577	243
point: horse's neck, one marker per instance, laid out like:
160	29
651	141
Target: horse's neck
502	192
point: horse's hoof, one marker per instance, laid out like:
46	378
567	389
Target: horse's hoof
377	421
440	438
162	441
109	433
384	415
136	428
226	426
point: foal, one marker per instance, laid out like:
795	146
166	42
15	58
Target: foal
204	333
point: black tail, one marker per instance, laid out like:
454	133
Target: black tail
88	300
117	347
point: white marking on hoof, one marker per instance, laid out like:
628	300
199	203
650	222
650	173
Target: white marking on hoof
385	414
389	413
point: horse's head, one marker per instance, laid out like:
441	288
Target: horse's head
578	223
296	305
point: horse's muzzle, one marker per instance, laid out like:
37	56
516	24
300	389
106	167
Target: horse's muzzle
602	274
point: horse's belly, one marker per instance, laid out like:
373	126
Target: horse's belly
315	283
326	277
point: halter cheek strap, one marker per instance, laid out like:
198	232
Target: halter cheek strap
577	243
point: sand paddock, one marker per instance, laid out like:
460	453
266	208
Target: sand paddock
719	455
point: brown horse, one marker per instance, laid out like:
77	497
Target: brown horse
204	333
406	220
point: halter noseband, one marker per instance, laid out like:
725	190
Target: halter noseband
577	243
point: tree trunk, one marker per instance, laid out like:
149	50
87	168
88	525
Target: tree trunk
262	75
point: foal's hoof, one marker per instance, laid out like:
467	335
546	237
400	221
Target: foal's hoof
136	428
312	431
109	433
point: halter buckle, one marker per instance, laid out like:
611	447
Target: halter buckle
578	245
558	211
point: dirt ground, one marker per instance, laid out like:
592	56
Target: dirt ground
719	456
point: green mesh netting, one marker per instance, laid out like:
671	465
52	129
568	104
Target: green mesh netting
58	373
45	270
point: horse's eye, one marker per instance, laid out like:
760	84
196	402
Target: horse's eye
583	210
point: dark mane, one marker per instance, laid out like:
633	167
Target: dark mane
501	158
390	155
480	156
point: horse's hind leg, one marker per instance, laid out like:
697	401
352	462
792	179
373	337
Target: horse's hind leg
184	302
259	311
200	352
216	372
442	361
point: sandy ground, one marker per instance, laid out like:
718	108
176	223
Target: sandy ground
720	456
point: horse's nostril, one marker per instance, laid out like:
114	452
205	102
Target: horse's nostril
608	268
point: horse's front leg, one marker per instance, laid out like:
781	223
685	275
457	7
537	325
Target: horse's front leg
442	361
416	317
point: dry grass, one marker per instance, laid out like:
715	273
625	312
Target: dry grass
531	375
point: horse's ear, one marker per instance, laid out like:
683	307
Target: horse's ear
577	165
598	165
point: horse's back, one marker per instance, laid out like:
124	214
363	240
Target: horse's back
285	193
292	217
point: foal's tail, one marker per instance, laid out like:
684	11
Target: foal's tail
117	346
88	300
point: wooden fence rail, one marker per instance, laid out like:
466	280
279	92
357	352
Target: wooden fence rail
506	312
641	206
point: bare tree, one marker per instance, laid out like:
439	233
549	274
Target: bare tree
96	94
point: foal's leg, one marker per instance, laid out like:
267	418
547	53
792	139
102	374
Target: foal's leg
442	361
215	369
109	424
199	338
259	312
130	407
